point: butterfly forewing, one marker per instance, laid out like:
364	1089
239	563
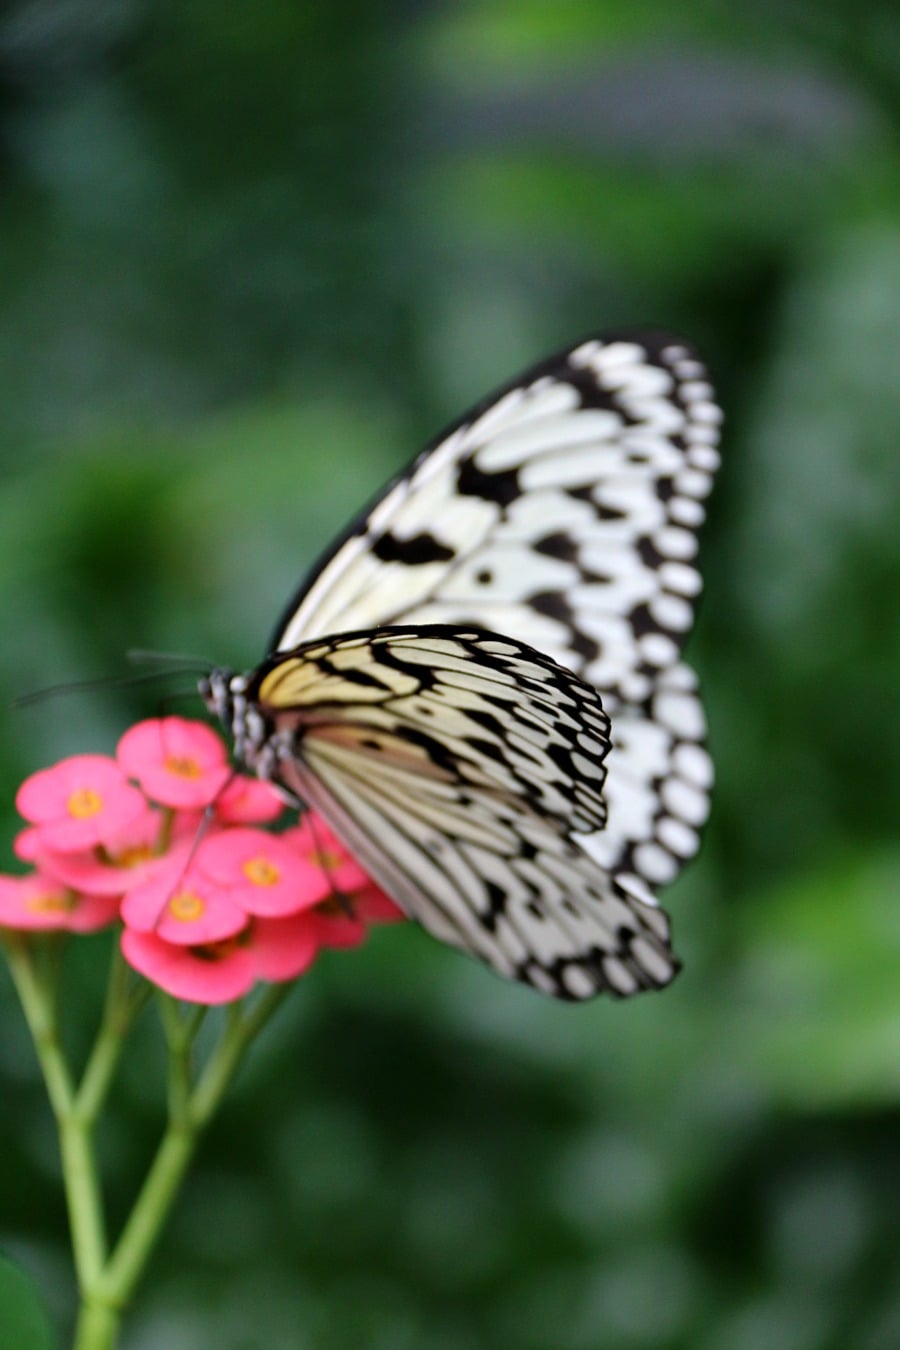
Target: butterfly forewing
462	767
561	512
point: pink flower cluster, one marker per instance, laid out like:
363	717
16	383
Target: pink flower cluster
117	839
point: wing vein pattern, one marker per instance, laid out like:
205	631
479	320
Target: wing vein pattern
463	779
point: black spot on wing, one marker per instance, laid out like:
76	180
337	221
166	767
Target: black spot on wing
642	621
352	675
561	756
558	545
501	487
649	554
552	603
487	719
414	552
594	395
584	646
496	904
586	493
434	748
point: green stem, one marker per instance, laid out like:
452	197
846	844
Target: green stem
243	1026
37	1004
140	1234
192	1114
107	1282
97	1328
180	1031
36	984
83	1200
120	1009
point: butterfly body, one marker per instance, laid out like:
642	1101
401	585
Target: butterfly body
526	580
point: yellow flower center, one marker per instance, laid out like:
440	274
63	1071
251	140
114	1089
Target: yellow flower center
218	951
183	768
328	861
261	872
130	857
84	803
49	903
187	907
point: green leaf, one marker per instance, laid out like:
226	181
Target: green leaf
23	1322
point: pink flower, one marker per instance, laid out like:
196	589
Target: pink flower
180	906
315	842
269	949
130	856
36	902
262	873
248	801
373	906
213	974
355	900
79	802
338	927
342	921
177	763
283	948
209	906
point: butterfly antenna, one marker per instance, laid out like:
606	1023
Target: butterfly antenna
36	696
146	656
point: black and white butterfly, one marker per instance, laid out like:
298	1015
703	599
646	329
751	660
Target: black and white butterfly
480	687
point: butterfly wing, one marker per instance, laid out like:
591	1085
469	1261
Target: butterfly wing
562	512
462	768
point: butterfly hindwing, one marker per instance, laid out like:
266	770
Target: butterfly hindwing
462	768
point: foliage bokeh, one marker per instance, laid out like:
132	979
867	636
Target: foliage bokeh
254	255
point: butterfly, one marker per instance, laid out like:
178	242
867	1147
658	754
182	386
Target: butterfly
480	685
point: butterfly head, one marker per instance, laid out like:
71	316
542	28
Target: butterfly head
225	695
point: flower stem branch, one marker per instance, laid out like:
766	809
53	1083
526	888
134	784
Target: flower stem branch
122	1005
190	1111
36	984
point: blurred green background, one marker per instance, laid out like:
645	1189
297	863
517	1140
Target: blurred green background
253	255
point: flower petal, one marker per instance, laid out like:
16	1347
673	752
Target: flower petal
128	858
182	907
248	801
177	762
36	902
261	873
314	841
284	948
210	975
79	802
